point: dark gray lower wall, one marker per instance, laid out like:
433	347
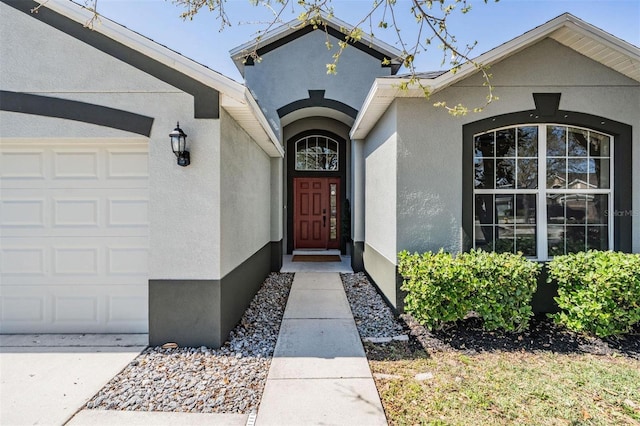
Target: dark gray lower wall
195	313
357	250
276	256
543	299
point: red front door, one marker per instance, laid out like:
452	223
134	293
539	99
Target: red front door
316	213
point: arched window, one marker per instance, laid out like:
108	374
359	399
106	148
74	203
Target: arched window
543	190
316	153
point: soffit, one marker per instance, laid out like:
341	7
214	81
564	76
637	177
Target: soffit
609	51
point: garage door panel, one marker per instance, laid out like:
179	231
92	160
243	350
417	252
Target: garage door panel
128	260
76	260
131	211
76	212
74	237
22	260
21	309
126	304
24	165
69	309
75	164
26	212
127	165
70	260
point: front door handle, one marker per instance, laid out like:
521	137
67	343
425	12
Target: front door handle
324	218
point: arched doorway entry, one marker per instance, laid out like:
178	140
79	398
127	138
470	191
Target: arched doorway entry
316	190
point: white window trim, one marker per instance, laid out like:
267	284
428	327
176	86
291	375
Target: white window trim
542	191
306	139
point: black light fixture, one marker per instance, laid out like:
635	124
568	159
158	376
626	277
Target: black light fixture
179	146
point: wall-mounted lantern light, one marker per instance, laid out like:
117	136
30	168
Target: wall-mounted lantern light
179	146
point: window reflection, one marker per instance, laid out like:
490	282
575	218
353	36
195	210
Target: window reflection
316	153
333	211
576	222
506	223
575	195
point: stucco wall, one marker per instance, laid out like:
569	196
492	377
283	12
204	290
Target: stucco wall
287	73
430	140
429	180
183	201
245	189
380	154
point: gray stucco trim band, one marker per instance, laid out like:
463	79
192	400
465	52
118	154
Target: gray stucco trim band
195	313
205	98
316	99
74	110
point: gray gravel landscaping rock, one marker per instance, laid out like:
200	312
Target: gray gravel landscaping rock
374	319
231	379
203	380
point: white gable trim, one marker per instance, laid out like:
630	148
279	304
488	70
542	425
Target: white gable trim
573	32
234	96
238	53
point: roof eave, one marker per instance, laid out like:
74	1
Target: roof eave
235	97
380	97
239	53
148	47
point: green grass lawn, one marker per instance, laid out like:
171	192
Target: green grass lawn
505	387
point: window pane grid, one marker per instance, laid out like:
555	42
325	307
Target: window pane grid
562	177
316	153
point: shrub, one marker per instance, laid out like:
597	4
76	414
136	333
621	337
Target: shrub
433	282
442	288
502	288
598	291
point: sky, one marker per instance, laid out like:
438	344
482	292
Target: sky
489	24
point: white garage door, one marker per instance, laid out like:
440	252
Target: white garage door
74	236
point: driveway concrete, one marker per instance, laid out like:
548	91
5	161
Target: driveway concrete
46	379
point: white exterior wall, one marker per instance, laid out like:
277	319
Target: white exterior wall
358	188
381	171
430	140
245	189
277	199
183	201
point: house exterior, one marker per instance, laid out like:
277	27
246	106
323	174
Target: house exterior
569	101
101	230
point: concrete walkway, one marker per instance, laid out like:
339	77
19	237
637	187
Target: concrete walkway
319	374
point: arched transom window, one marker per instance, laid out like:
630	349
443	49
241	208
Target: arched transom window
316	153
543	190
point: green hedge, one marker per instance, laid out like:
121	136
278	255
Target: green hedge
443	288
598	291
